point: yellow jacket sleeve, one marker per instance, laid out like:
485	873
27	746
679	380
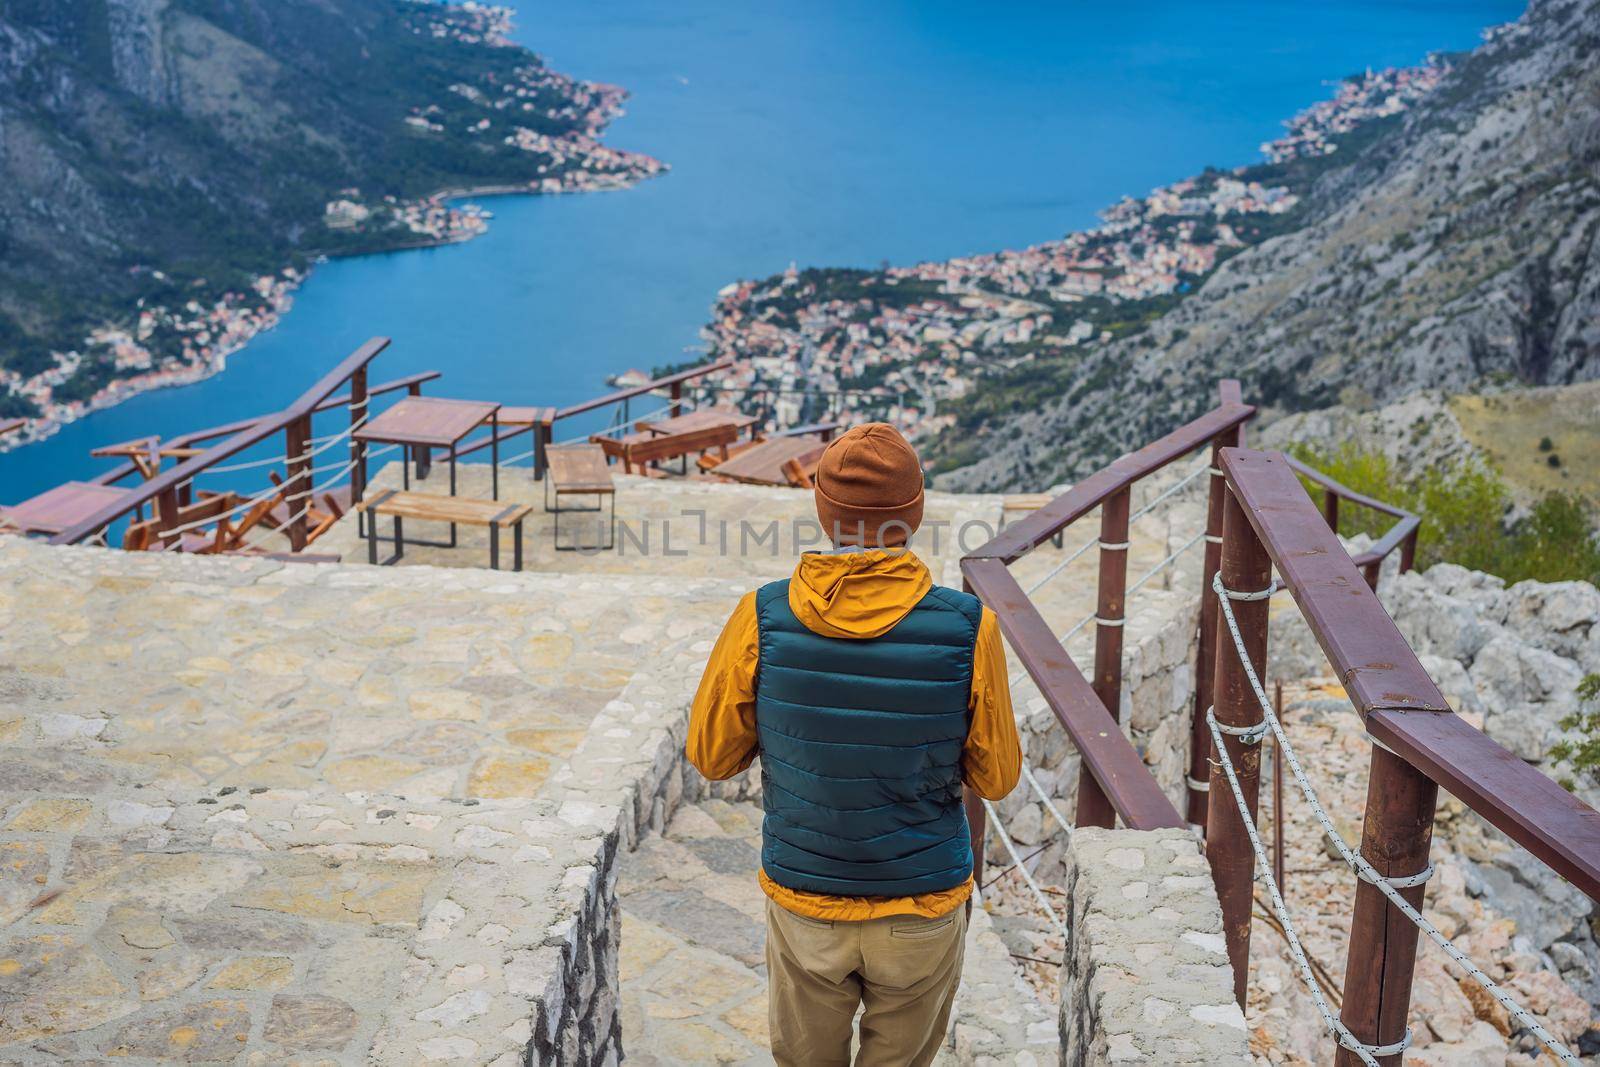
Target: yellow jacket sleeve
992	758
722	722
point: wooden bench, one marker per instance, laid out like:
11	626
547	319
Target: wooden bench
768	462
579	470
642	450
430	507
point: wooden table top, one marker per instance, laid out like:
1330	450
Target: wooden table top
579	469
763	464
61	508
518	415
698	420
437	508
8	425
427	420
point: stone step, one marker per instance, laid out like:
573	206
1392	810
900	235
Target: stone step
693	975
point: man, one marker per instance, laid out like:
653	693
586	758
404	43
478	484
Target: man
871	696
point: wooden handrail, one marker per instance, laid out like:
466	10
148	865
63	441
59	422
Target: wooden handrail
1346	493
639	390
1106	752
1017	540
116	474
169	481
1399	702
1113	779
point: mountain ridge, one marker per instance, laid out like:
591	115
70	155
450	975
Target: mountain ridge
1461	247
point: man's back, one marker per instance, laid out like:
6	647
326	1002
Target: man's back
871	697
861	737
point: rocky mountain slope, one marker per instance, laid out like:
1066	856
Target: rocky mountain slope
163	161
1460	246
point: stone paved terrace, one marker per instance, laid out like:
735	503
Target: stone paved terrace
243	802
256	812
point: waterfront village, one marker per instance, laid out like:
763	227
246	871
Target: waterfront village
166	346
892	344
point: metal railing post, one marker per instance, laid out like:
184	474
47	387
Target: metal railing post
1206	644
1395	839
1408	551
1246	568
167	511
1330	509
358	449
977	826
977	818
297	461
1094	809
676	393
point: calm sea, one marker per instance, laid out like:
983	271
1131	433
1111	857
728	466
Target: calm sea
835	132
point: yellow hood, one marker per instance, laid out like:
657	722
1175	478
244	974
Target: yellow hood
856	594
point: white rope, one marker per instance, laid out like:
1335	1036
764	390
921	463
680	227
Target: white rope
1027	772
1072	632
1164	564
1016	860
1063	565
623	425
209	520
1357	862
315	447
1340	1032
508	460
1175	487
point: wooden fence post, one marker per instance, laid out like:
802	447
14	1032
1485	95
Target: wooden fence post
977	825
358	449
1408	551
1094	809
1246	568
167	511
297	461
1206	652
977	818
1395	839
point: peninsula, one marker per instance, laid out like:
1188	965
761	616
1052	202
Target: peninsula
173	169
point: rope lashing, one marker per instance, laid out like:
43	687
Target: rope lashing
1027	773
1359	863
1016	859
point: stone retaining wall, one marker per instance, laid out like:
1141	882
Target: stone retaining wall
1146	977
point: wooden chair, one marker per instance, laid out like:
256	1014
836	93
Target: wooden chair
802	469
643	451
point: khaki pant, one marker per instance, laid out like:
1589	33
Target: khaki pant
904	969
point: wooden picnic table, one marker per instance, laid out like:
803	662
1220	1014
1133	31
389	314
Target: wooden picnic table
61	508
428	422
763	464
698	420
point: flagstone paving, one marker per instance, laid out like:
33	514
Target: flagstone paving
238	798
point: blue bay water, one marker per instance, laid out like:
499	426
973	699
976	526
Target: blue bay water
831	133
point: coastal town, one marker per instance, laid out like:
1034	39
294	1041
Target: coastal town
893	344
556	119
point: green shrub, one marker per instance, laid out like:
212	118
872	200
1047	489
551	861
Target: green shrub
1582	753
1463	507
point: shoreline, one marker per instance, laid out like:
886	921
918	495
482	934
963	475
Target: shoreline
122	390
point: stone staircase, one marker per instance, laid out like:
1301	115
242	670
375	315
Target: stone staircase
262	812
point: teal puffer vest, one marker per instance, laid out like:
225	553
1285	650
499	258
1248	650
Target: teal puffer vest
861	745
